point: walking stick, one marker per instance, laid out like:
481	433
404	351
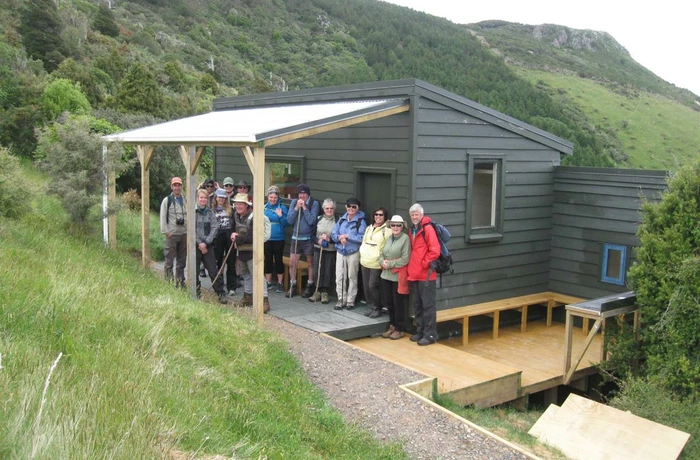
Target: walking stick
296	245
223	264
318	274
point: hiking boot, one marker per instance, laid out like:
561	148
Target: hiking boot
338	305
350	305
308	291
202	273
266	304
416	337
324	297
246	301
396	335
386	334
375	313
292	291
279	289
222	297
368	312
315	297
426	341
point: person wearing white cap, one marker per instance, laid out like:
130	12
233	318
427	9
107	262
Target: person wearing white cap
394	279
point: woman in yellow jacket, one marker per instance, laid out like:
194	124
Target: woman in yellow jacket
370	253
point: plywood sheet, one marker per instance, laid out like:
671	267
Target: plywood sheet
585	429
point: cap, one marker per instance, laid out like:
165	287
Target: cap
352	200
241	198
221	193
303	188
175	180
228	181
209	181
274	190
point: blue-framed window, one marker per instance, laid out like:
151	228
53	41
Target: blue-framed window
614	265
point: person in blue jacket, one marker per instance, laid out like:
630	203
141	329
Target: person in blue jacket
303	217
347	235
274	247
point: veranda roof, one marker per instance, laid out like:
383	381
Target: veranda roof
251	126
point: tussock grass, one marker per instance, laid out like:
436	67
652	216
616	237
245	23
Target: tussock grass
146	372
129	233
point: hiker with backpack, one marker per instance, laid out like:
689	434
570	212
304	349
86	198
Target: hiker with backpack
173	217
370	251
303	217
425	249
347	234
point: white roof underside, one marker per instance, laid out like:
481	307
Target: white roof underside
249	125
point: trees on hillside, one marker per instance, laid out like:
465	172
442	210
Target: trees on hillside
41	32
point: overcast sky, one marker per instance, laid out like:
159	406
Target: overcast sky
662	36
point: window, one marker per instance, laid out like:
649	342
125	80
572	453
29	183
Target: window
614	264
285	174
485	194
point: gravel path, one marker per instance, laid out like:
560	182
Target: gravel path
365	389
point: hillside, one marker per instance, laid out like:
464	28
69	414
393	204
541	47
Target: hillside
147	60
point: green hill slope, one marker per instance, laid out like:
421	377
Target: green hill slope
187	52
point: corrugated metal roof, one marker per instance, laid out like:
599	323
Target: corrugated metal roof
250	125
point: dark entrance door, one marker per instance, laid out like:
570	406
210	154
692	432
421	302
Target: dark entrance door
375	190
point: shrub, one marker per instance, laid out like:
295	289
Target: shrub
666	279
13	187
131	199
62	95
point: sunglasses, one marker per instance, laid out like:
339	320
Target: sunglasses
396	225
210	186
228	185
351	206
378	214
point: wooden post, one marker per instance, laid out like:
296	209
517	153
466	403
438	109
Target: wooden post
145	154
568	336
187	153
112	216
258	230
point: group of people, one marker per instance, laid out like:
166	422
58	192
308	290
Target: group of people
392	256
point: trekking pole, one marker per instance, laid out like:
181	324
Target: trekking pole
223	264
293	273
318	275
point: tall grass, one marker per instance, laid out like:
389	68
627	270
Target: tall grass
129	233
146	372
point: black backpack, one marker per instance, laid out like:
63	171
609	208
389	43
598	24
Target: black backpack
443	264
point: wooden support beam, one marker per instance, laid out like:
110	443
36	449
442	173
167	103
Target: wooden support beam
248	155
570	372
496	323
111	216
145	155
568	340
465	330
550	308
197	159
523	319
258	230
187	153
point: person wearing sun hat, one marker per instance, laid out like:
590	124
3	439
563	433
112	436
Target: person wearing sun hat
274	247
394	258
242	237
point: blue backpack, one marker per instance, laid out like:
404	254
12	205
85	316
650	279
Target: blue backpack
443	264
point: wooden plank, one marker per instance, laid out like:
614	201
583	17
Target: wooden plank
584	429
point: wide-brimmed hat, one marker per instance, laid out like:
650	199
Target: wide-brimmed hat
396	219
241	198
228	181
221	193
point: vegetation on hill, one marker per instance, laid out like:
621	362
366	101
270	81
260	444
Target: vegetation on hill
101	359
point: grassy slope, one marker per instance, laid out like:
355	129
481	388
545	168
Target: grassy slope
145	370
655	131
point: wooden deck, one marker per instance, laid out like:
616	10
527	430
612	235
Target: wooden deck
489	371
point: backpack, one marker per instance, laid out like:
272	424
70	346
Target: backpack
443	264
267	230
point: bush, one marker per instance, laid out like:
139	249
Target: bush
62	95
131	199
666	279
13	187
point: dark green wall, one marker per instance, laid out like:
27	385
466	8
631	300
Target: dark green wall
593	206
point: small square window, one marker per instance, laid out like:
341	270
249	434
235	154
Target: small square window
285	175
614	264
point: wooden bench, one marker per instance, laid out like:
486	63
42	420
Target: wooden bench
302	268
494	308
